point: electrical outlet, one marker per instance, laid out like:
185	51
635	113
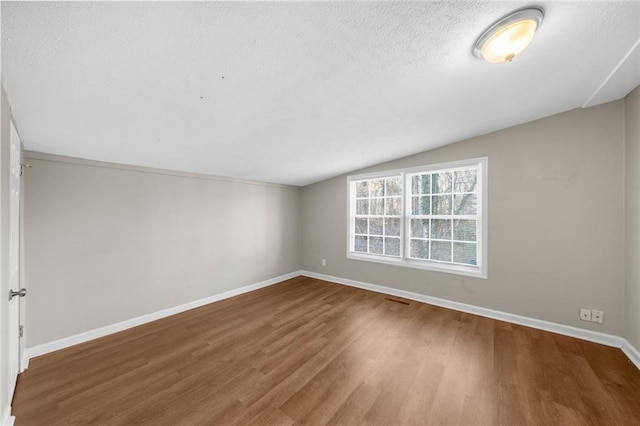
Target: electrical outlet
597	316
585	314
324	262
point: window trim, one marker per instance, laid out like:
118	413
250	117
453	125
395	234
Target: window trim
480	271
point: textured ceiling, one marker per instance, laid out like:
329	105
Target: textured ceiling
295	93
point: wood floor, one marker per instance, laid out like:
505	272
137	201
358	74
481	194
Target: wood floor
310	352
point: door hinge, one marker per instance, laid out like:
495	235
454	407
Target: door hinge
21	330
24	166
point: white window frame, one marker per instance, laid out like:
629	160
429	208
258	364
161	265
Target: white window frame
478	271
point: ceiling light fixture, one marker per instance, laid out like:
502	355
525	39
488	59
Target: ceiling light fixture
502	41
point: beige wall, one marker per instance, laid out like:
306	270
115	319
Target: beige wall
4	249
555	222
105	244
632	210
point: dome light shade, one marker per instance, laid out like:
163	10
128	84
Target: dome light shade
509	36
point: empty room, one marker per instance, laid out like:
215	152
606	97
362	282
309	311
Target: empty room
321	213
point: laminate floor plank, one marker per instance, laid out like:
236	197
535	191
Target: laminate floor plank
306	351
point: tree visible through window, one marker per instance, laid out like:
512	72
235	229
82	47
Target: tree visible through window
432	217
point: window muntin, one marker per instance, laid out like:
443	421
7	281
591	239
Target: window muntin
378	216
433	217
443	216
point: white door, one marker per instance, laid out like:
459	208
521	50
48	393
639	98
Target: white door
14	261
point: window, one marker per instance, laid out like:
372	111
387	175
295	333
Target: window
431	217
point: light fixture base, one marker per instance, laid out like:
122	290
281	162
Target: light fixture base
532	13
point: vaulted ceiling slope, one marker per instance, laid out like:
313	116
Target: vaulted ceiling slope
295	93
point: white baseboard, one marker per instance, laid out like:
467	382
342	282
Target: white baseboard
123	325
567	330
7	419
631	352
24	361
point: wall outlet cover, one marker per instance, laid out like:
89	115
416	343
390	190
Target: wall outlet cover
585	314
597	316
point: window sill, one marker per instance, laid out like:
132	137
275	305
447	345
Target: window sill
470	271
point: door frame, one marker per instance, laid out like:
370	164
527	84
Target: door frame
14	259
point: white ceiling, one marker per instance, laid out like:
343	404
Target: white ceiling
295	93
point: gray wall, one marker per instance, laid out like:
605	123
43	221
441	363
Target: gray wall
105	244
4	248
632	204
555	222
